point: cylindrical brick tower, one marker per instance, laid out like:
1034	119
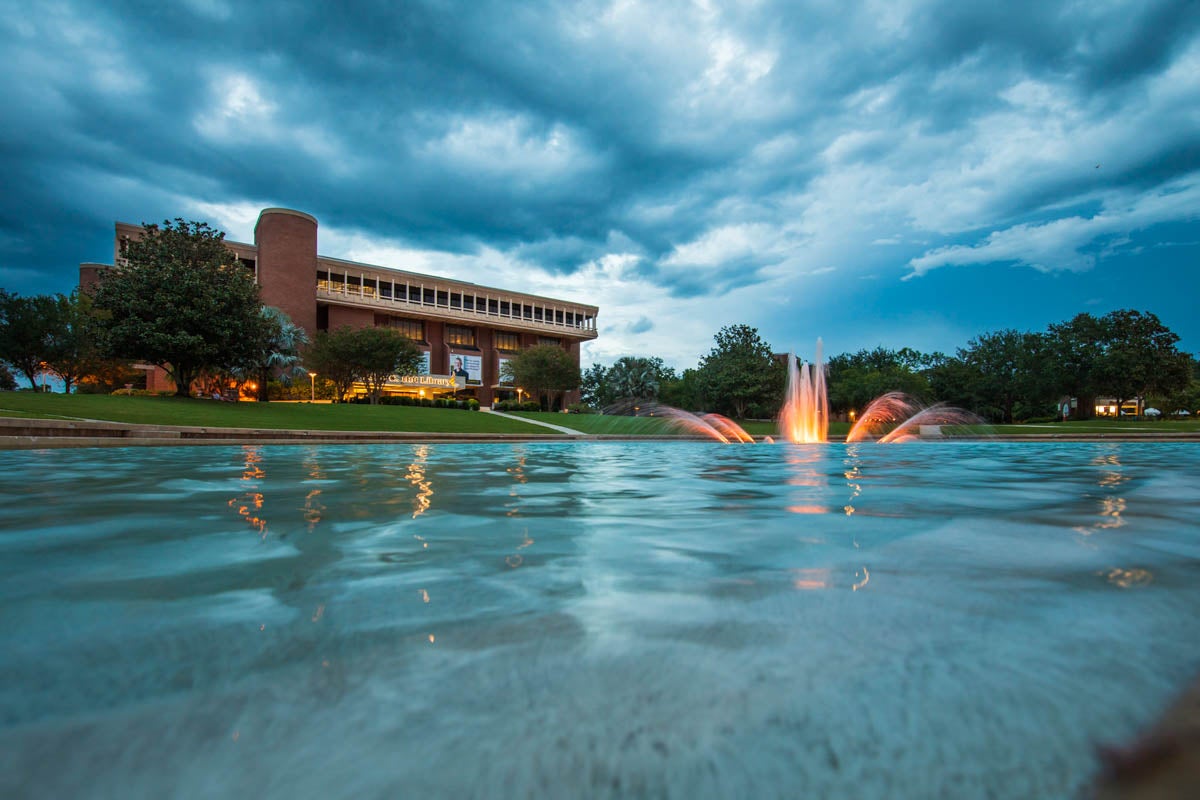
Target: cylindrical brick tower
89	275
287	263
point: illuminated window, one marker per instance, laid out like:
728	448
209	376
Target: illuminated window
410	328
508	341
459	335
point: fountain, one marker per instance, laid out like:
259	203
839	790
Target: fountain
714	426
804	417
907	416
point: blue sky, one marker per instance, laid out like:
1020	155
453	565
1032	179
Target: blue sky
882	173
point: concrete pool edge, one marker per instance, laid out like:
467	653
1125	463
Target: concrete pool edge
25	433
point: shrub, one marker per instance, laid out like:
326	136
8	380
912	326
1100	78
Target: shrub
472	404
580	408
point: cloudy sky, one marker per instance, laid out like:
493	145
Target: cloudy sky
895	173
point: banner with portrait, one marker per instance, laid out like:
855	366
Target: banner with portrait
468	367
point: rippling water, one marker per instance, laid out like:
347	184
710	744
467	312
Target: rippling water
592	619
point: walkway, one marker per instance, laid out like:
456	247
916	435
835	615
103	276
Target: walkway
552	426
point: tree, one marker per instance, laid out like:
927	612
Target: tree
26	327
638	378
370	355
378	353
683	392
7	382
330	355
1075	349
181	300
741	371
855	379
545	371
593	387
278	352
71	351
1140	357
1006	368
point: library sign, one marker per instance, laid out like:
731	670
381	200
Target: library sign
427	381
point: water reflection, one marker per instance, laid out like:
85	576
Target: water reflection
802	472
513	507
1112	507
249	504
313	507
853	476
1127	578
417	477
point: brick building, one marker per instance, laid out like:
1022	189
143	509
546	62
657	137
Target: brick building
466	330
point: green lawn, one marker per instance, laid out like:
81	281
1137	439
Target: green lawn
346	417
275	416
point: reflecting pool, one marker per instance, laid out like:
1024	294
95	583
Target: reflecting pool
682	620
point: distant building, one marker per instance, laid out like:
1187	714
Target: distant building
465	330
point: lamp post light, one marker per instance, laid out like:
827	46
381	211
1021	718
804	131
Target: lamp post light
312	377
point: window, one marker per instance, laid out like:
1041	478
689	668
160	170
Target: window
459	335
410	328
554	340
508	341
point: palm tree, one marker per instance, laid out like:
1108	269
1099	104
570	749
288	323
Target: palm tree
278	353
634	378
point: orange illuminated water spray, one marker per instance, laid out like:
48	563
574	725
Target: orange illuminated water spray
805	414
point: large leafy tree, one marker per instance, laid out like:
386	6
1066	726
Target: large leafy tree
594	388
740	371
545	371
27	325
182	301
371	355
330	356
855	379
72	352
1075	348
378	353
1124	354
1140	357
1006	368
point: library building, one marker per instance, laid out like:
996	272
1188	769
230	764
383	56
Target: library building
465	330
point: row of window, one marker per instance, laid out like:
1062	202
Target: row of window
458	301
460	335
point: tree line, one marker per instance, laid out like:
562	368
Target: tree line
1003	376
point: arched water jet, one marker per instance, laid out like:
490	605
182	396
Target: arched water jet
907	416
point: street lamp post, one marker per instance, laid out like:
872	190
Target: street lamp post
312	377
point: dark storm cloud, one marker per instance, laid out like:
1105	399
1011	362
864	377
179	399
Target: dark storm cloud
558	133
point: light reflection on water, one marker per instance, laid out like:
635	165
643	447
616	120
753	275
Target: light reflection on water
674	619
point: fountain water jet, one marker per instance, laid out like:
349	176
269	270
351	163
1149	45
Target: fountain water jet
804	417
715	426
907	415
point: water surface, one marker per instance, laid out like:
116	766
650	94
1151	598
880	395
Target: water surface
590	619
